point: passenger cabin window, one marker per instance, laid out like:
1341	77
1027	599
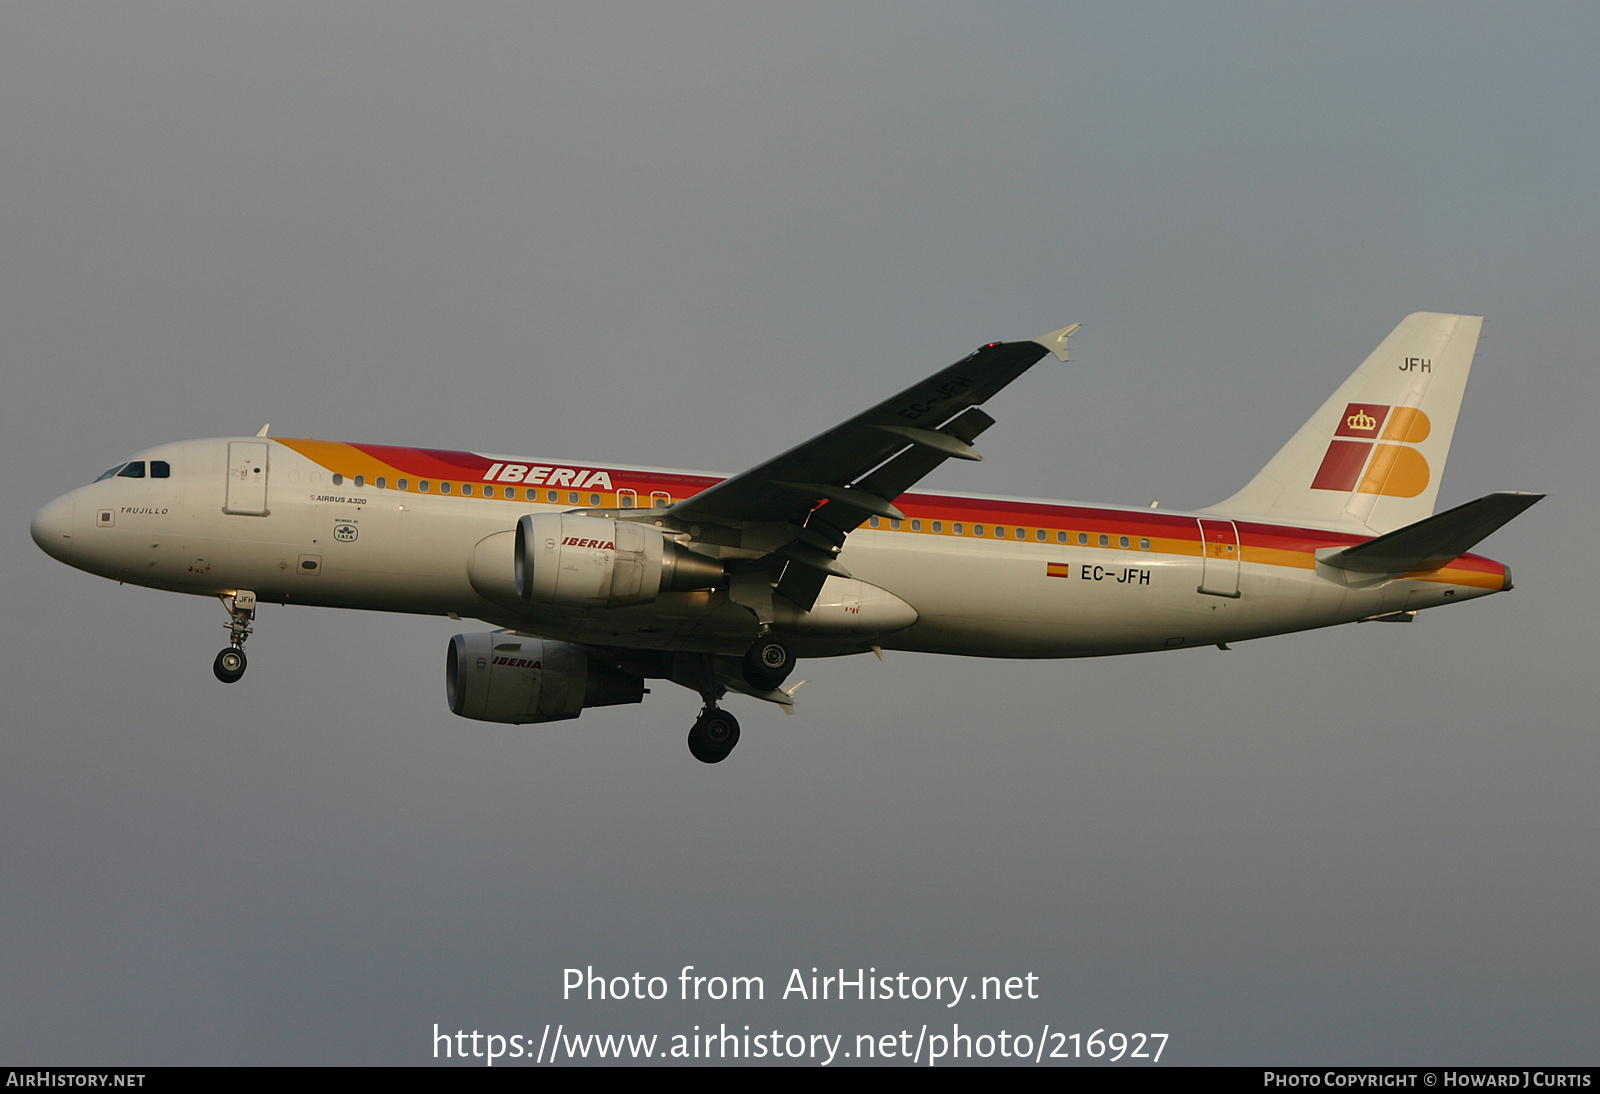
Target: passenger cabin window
894	524
134	470
874	522
444	488
938	526
1105	541
1083	537
1022	533
956	528
594	499
977	529
660	499
466	488
160	469
338	479
999	532
572	497
916	526
1039	535
1123	542
423	486
361	480
1061	537
553	495
380	483
399	484
1144	544
488	491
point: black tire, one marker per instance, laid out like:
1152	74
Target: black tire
768	662
230	665
713	736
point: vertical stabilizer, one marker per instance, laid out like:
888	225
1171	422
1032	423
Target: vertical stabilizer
1370	460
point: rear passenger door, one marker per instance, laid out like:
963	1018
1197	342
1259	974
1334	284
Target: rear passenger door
1220	539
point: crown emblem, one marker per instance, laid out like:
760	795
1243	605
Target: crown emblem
1361	420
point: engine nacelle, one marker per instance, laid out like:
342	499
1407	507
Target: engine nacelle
504	677
573	561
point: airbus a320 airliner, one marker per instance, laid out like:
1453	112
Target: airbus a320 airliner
599	577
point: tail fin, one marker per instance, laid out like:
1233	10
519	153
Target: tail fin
1370	460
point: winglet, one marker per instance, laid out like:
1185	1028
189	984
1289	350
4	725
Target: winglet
264	429
1056	340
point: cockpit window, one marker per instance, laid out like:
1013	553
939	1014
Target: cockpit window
160	469
134	470
110	474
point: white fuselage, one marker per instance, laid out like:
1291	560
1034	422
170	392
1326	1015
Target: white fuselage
1082	580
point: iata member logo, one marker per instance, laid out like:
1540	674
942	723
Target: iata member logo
1393	469
344	533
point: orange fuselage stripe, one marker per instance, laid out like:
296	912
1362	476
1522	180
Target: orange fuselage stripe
1167	533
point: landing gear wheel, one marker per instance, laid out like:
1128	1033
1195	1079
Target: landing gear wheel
230	665
714	734
768	662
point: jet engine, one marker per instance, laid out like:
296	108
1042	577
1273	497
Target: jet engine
572	561
504	677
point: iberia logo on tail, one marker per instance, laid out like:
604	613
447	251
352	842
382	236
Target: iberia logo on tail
1390	466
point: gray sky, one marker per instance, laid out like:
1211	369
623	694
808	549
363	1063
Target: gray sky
690	235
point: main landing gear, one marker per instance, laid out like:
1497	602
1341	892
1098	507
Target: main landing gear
768	662
713	735
765	665
231	662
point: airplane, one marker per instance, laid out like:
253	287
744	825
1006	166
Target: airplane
598	577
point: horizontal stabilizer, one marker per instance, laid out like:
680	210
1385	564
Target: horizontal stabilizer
1434	541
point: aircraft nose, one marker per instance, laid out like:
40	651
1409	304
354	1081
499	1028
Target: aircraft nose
52	528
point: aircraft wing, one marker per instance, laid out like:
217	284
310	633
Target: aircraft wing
801	504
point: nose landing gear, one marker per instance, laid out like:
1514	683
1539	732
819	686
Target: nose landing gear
230	665
231	662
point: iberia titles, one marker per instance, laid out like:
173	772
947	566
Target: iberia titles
576	478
